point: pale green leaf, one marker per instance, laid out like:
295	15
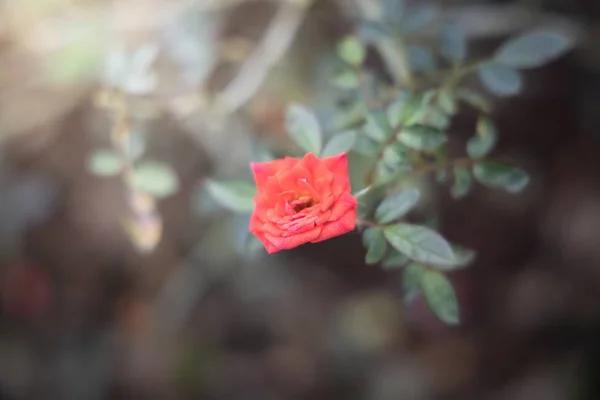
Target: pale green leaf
395	110
347	80
341	143
496	175
411	280
395	154
447	102
104	163
462	182
233	195
397	205
303	127
420	244
419	17
533	49
352	51
420	58
394	259
377	126
155	178
474	99
422	137
500	80
375	243
440	296
483	142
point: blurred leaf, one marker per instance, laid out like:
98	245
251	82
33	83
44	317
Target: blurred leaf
376	245
369	197
395	110
234	195
261	153
500	80
436	118
497	175
373	32
303	127
447	102
394	259
453	43
474	99
420	58
253	244
377	127
422	137
462	182
442	176
397	205
340	143
395	154
440	296
135	146
155	178
533	49
413	112
352	51
347	80
104	163
411	280
392	10
365	146
464	257
420	244
419	17
483	142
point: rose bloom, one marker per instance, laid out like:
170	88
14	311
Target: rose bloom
302	201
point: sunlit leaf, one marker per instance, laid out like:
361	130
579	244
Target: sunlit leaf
500	80
422	137
533	49
104	163
352	51
483	142
397	205
303	127
496	175
234	195
340	143
453	43
420	244
155	178
462	182
375	243
440	296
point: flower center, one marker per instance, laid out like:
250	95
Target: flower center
302	202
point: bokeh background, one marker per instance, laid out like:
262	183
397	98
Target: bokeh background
84	315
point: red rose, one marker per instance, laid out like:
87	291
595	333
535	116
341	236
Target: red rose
302	201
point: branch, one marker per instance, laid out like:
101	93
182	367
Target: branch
274	44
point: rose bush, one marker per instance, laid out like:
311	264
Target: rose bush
302	200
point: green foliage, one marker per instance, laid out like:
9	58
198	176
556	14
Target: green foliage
155	178
440	296
304	128
377	126
421	244
482	143
352	51
453	44
411	280
500	80
394	259
233	195
462	182
340	143
422	137
533	49
347	80
500	176
397	205
104	163
376	245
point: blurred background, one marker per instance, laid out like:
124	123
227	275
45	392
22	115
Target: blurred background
84	314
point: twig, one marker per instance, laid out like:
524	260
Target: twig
276	41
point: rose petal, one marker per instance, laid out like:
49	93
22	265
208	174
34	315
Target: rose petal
339	227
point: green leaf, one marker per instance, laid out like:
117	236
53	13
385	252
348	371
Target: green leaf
420	244
347	80
352	51
462	182
253	244
420	58
533	49
419	17
396	109
447	102
394	259
377	127
500	80
303	128
234	195
376	245
464	257
392	10
104	163
440	296
496	175
397	205
483	142
474	99
261	153
453	43
365	146
422	137
395	154
411	280
340	143
442	176
155	178
373	32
